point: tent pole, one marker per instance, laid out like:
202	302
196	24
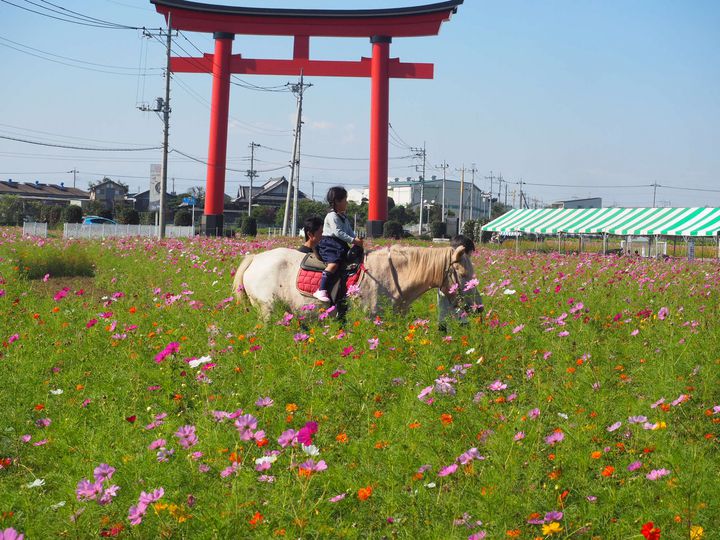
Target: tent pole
604	244
517	242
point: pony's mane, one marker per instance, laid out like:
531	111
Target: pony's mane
423	263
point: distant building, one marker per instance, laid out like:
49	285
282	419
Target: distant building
109	193
593	202
44	193
406	192
271	193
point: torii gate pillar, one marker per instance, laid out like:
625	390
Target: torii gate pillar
379	120
212	219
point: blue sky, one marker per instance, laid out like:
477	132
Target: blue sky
576	98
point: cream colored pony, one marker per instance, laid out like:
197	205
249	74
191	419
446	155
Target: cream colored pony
396	275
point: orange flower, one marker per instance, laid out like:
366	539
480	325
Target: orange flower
55	309
608	471
291	407
377	414
132	309
446	419
319	363
514	533
414	425
342	438
256	519
364	493
39	407
597	454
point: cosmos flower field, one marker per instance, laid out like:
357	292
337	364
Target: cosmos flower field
142	402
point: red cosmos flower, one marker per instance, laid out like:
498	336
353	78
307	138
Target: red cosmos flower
650	531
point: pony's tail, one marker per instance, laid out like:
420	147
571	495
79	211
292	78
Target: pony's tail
238	284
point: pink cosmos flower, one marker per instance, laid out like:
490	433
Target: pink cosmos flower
634	466
518	328
520	435
13	338
450	469
287	438
614	427
264	402
663	313
103	472
87	491
497	386
338	498
373	343
656	474
533	413
11	534
554	437
157	443
186	436
43	422
304	436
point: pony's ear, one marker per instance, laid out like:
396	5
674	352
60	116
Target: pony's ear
458	253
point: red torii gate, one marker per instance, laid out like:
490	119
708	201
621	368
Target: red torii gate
380	25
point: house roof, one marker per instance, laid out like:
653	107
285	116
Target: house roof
38	190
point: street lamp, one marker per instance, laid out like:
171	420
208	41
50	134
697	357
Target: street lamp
428	206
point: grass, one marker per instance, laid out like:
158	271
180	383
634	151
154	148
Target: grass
97	344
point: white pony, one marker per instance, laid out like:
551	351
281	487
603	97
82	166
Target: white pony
398	275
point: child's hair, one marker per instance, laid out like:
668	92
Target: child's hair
336	194
311	226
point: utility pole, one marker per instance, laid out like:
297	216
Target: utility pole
500	181
462	196
444	167
74	171
491	178
420	152
522	200
293	185
163	106
472	190
506	193
173	184
251	173
655	186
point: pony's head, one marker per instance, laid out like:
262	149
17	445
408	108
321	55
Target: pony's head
459	284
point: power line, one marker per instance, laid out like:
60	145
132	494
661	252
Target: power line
82	21
80	147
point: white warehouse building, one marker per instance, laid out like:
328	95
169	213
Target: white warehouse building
406	192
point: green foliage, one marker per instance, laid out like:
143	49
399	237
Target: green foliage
106	213
34	262
11	210
128	216
72	213
183	218
93	208
437	229
265	215
51	214
468	228
392	229
248	226
402	215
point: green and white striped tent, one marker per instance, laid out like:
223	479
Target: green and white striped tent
611	221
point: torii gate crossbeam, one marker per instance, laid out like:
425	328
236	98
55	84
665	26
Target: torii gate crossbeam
379	25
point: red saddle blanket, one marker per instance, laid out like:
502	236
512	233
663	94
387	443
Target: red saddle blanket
308	281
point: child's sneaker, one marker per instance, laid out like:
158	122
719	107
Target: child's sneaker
321	295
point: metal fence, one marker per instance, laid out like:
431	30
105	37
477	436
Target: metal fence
96	230
32	228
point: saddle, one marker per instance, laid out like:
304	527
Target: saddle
311	269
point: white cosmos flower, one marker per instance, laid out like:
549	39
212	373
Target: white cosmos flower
509	291
56	392
37	483
311	450
199	361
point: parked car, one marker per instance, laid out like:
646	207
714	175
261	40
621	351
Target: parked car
97	220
